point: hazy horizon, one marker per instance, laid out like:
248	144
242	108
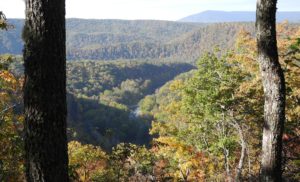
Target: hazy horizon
144	9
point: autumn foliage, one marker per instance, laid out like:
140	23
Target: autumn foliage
206	123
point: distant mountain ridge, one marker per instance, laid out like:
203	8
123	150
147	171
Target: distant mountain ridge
237	16
108	39
141	39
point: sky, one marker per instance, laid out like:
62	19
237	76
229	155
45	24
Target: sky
144	9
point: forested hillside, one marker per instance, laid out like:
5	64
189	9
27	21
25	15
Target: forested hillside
103	98
140	39
89	78
90	35
211	118
146	102
122	39
186	46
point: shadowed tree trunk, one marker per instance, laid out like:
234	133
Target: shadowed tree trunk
274	90
45	91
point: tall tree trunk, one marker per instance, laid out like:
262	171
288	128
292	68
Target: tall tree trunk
226	163
45	91
274	90
240	166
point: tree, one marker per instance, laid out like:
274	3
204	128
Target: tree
11	152
274	90
85	161
45	91
3	23
11	123
210	102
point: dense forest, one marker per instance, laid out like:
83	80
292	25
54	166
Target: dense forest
121	39
140	39
157	101
103	98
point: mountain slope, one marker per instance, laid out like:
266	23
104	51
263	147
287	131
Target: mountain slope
85	36
140	39
236	16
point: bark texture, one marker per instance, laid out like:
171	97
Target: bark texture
274	90
45	91
240	166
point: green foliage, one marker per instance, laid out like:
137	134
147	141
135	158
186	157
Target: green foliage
147	104
222	105
90	78
129	93
11	124
103	97
208	101
120	158
128	162
125	163
114	39
120	39
11	121
200	112
85	161
5	61
198	117
171	91
106	115
3	23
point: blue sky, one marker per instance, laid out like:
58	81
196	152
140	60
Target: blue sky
145	9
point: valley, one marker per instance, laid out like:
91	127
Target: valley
153	100
114	64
